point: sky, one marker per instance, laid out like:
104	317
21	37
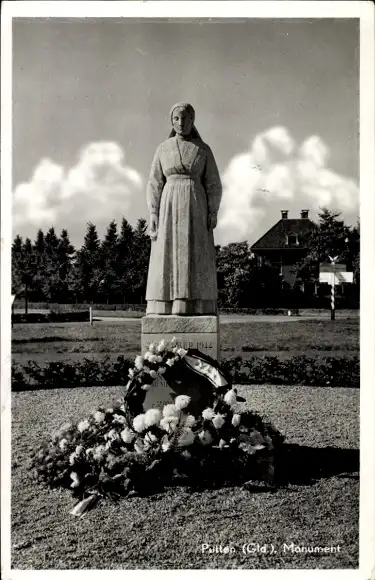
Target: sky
276	100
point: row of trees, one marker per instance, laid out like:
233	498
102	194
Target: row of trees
114	270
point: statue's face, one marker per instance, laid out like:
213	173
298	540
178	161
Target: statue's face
182	121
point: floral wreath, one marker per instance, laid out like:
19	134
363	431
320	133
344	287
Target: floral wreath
125	450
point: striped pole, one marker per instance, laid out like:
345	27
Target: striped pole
333	291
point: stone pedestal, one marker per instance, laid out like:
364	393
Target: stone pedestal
200	332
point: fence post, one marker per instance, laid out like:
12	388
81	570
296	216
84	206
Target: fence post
91	320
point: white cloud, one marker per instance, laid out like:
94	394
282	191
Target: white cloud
274	172
98	188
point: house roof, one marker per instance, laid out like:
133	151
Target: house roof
276	237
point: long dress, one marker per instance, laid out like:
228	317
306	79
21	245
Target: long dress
183	188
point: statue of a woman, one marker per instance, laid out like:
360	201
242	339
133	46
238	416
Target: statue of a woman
183	197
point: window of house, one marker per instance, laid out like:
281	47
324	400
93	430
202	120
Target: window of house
292	240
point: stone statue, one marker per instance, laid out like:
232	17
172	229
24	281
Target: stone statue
183	196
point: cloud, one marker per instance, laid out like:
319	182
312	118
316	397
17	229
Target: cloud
98	188
275	172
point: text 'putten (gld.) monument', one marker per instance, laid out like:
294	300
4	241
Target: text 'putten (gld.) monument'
183	196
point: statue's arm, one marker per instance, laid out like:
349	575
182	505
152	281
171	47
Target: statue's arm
155	184
213	187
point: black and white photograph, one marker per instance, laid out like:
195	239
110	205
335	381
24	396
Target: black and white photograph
187	297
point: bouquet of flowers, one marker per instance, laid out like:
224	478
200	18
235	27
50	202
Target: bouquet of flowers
126	450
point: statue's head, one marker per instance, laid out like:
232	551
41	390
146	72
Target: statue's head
182	118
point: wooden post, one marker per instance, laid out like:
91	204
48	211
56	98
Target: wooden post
91	319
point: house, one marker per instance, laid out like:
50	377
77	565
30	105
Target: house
283	245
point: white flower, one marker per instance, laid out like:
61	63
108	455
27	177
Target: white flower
169	424
153	374
72	458
174	350
152	358
110	411
170	362
170	411
158	359
83	425
243	429
138	363
223	444
161	346
186	438
126	435
165	443
139	423
75	479
182	401
108	445
152	347
139	446
148	440
181	352
99	417
236	420
99	452
79	449
218	421
122	408
112	435
63	444
152	417
205	437
89	451
230	397
173	341
119	419
208	414
186	454
190	421
131	373
146	387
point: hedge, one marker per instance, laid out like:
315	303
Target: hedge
298	370
77	316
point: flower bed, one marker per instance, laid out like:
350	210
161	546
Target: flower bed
129	450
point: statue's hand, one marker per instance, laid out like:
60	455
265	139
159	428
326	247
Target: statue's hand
154	224
211	222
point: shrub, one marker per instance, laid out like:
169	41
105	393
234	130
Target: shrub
298	370
52	316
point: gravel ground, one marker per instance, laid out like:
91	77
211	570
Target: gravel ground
167	531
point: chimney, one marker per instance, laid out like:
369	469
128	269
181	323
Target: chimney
304	214
284	214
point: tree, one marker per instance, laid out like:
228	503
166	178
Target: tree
88	271
140	256
125	259
109	283
23	268
52	263
331	239
65	255
40	273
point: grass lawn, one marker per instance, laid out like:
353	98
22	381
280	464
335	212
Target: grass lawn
166	531
314	338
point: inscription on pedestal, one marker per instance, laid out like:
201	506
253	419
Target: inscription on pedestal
197	332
